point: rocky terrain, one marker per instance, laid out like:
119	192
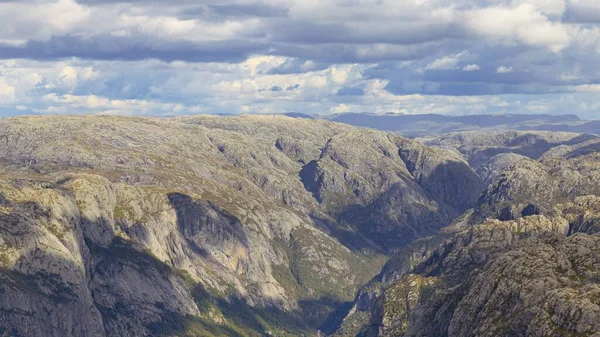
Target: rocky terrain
271	225
522	262
232	226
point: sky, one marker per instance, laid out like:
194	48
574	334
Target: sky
176	57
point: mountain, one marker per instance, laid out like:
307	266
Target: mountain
522	262
281	226
207	225
432	124
489	153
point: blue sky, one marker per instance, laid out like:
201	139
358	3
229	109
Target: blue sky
176	57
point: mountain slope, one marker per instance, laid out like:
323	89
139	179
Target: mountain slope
206	225
523	262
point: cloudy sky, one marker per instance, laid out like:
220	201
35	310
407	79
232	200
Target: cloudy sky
172	57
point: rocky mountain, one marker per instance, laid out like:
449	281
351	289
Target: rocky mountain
522	262
196	226
281	226
490	153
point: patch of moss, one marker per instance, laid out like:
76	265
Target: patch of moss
4	260
174	324
286	279
125	212
57	231
80	205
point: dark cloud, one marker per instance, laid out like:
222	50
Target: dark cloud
131	49
293	87
351	53
400	33
582	12
346	91
297	66
276	88
140	2
248	10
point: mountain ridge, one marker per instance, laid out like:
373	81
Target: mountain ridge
209	204
273	225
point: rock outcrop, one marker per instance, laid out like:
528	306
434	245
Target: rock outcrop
522	263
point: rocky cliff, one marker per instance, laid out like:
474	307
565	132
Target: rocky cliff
231	226
523	262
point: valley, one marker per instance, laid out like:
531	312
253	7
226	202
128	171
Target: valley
270	225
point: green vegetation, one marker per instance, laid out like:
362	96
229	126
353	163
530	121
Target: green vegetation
80	205
4	260
57	231
127	213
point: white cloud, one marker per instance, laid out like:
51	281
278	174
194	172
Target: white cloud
261	64
524	24
547	7
97	104
72	76
340	108
447	62
309	85
504	70
471	67
29	20
194	30
586	88
7	91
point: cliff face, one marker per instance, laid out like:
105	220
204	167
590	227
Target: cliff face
523	262
523	278
116	226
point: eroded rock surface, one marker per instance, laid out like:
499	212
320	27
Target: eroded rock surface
252	225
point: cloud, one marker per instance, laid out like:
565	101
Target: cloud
248	10
582	11
504	70
346	91
341	108
587	88
7	91
125	48
181	56
97	104
471	67
447	62
522	24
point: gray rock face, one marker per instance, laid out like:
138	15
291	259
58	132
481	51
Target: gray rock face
496	165
489	153
511	278
268	225
534	187
522	263
246	226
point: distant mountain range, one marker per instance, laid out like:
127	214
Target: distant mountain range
434	124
